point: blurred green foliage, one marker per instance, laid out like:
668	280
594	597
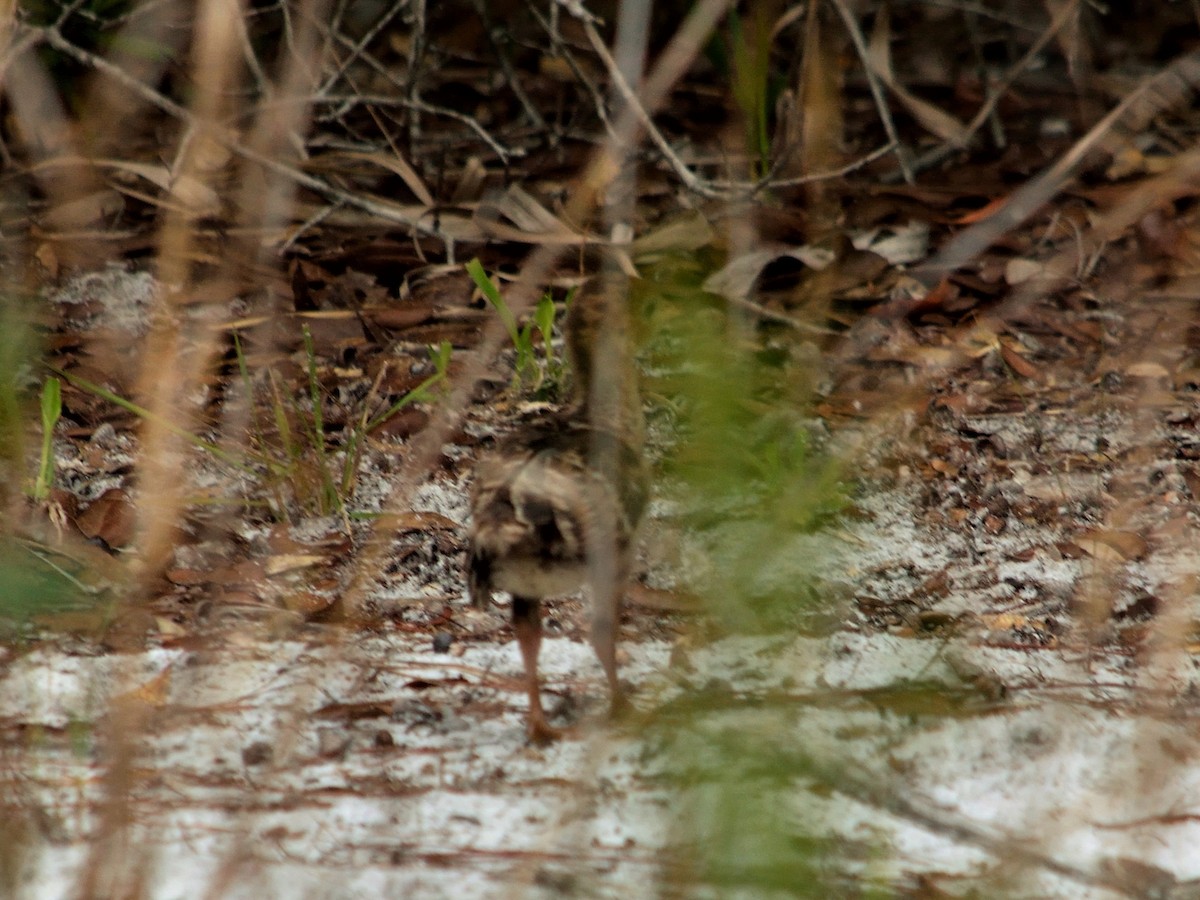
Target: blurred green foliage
35	581
746	458
751	478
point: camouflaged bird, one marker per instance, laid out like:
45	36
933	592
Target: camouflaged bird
556	505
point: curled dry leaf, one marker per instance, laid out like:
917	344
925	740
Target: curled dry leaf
935	120
898	244
195	196
737	278
530	221
389	162
110	518
192	193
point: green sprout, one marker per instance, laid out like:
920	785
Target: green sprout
51	412
544	374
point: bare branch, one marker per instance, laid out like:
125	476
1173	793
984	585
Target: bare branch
227	139
885	113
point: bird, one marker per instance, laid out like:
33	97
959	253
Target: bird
555	506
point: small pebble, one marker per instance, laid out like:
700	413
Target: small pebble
257	753
442	641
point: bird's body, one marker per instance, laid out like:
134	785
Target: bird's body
556	505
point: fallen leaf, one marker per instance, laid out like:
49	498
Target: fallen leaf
1017	362
933	119
1018	271
290	562
736	280
419	520
898	244
1150	370
1126	545
110	518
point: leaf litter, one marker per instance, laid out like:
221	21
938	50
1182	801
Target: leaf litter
1006	684
300	756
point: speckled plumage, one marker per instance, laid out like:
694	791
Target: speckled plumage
556	505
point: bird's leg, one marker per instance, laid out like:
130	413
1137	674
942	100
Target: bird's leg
479	578
527	623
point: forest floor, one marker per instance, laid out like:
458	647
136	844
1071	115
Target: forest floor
915	608
989	698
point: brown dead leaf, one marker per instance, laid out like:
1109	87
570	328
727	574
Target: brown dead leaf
1148	370
291	562
1124	545
935	120
195	196
737	279
390	162
528	221
396	318
187	577
111	518
1016	362
418	520
402	423
309	603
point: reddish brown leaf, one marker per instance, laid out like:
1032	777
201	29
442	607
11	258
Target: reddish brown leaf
111	518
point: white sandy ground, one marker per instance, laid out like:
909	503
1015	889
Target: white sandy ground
243	787
326	763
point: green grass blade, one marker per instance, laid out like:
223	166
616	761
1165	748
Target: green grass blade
441	361
51	413
142	413
492	294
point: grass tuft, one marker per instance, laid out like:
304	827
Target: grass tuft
541	375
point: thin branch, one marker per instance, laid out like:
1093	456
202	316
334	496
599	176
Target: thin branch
311	222
69	10
359	47
559	46
824	176
690	179
27	41
881	105
997	92
403	100
683	47
227	139
510	74
1025	201
411	90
